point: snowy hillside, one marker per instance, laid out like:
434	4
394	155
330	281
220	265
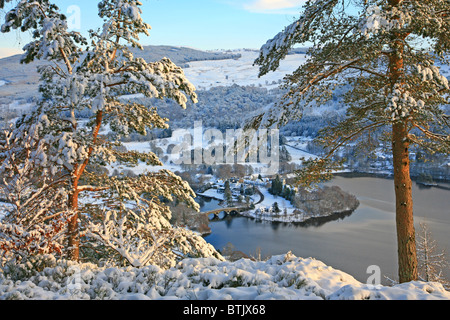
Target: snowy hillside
282	277
241	71
20	81
203	68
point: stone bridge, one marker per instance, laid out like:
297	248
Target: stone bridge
226	211
234	210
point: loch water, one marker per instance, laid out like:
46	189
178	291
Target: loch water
350	242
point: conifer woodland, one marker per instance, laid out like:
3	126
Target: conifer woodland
60	202
383	54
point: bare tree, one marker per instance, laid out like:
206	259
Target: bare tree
431	261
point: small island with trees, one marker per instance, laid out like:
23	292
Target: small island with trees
278	201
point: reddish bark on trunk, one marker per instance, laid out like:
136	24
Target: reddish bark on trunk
406	243
73	230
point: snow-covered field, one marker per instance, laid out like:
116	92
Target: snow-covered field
282	277
212	193
210	73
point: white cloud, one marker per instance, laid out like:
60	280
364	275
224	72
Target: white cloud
268	6
273	6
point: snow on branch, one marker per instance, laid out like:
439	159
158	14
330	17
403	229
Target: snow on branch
53	40
135	217
297	32
33	218
137	227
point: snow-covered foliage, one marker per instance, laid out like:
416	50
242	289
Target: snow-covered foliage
352	57
33	214
136	225
354	48
129	216
49	29
282	277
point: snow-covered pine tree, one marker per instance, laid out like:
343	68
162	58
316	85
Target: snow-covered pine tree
381	54
96	74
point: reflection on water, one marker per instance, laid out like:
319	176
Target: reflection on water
207	204
312	222
349	242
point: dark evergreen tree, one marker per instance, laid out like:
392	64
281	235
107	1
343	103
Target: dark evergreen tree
228	195
276	208
277	186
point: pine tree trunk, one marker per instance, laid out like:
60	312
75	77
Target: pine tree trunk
406	243
73	231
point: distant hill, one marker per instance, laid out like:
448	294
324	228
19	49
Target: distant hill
181	55
22	79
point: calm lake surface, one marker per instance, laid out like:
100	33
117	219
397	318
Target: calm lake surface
352	243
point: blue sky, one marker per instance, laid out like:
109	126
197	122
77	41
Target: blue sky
201	24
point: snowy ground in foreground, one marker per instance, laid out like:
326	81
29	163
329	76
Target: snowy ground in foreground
282	277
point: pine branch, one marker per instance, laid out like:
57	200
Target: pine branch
340	141
436	136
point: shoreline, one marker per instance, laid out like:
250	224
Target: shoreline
298	216
306	219
387	175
